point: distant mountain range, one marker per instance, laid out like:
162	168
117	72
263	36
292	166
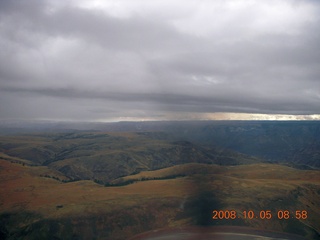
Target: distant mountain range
295	143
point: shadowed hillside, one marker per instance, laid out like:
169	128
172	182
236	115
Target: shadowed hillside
106	156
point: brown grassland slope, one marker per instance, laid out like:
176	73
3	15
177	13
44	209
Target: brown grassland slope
35	206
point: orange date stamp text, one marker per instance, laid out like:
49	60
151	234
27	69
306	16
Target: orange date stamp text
263	214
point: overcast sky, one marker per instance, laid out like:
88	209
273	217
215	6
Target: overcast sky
158	59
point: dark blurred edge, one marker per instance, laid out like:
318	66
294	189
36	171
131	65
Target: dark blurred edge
197	233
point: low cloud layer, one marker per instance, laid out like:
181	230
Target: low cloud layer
107	60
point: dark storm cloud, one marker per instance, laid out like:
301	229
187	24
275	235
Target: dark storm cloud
72	59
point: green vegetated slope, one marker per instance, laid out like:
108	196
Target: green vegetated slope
33	206
106	156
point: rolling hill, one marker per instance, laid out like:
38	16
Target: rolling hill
106	156
33	206
99	184
295	143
